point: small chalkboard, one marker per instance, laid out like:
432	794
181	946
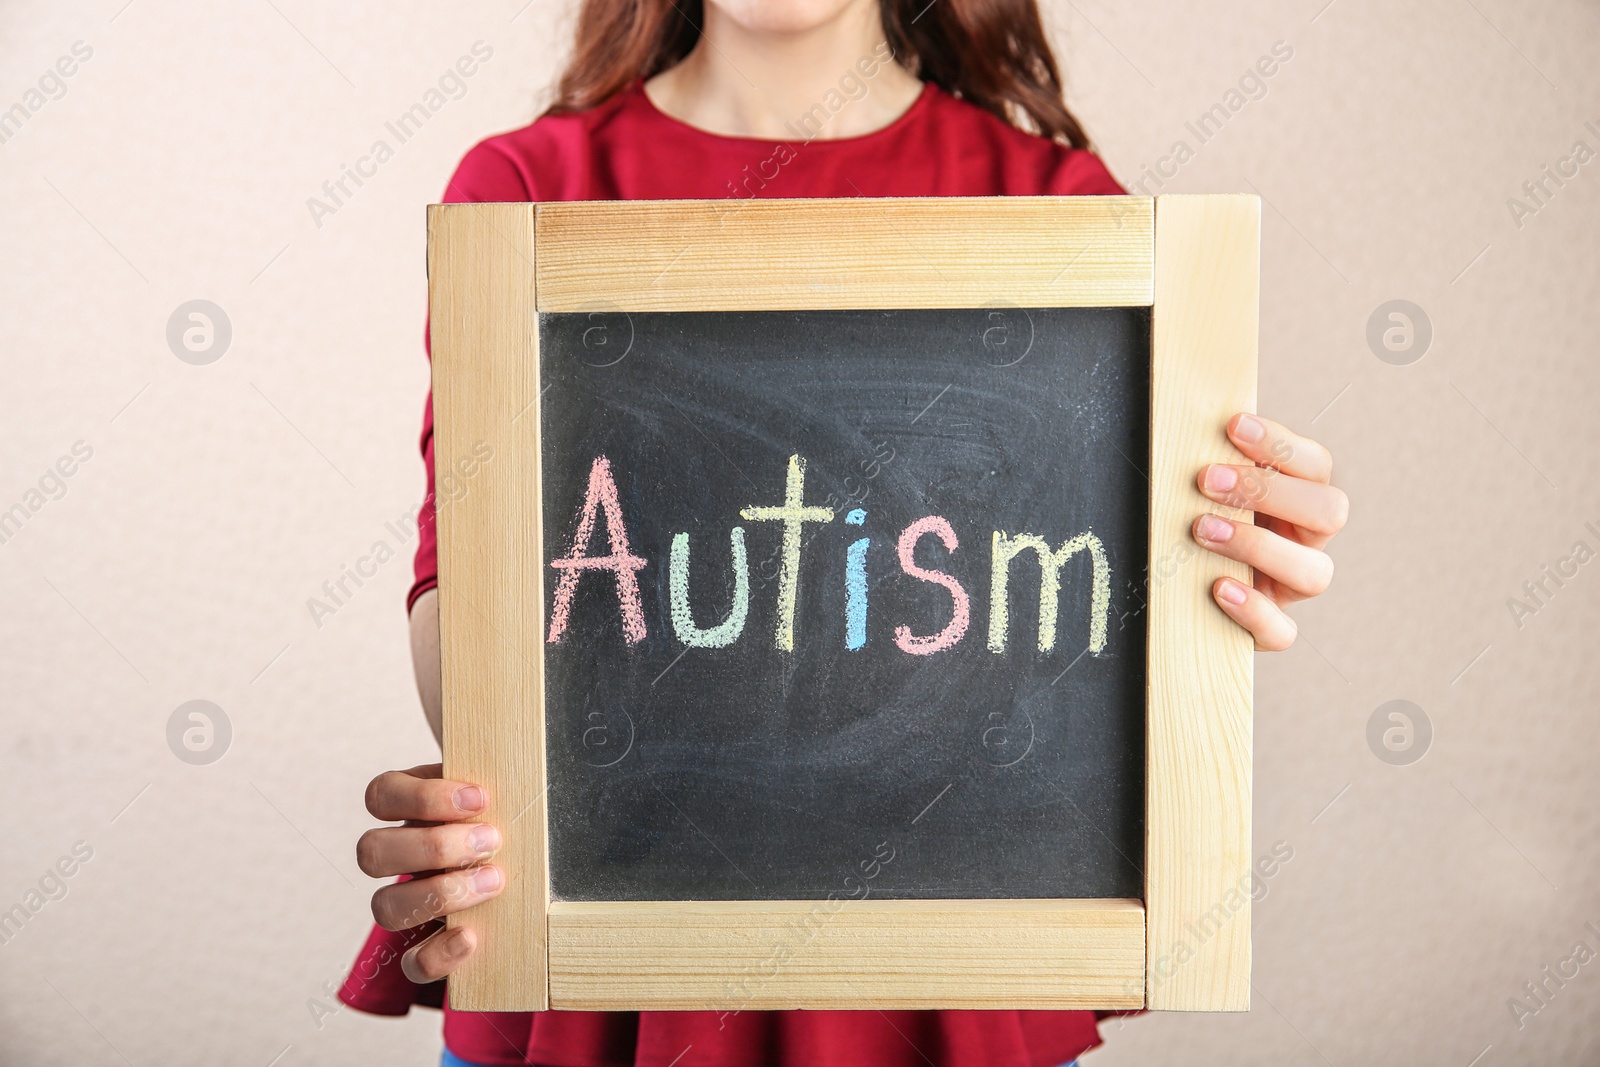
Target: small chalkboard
795	604
820	611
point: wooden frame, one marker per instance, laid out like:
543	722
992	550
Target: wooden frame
1193	259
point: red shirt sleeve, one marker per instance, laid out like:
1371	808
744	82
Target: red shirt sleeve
1082	173
487	175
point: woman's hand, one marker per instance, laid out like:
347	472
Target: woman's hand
444	855
1297	514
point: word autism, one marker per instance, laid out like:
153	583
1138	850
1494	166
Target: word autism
621	564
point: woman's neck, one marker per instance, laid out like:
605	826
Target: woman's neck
833	80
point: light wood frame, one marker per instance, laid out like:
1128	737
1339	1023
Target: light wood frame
1193	259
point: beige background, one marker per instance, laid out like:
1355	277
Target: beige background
220	900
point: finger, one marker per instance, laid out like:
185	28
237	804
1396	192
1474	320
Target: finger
1304	571
1319	509
440	954
1274	445
1272	629
392	850
406	904
394	796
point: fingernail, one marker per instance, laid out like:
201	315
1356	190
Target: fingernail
487	879
1214	529
485	839
1231	591
1249	429
469	798
455	944
1220	479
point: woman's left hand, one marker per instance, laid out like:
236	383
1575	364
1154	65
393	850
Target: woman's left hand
1297	514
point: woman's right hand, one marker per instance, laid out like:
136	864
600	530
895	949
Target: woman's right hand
444	855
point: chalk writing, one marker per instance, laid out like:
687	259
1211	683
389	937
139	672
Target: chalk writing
602	498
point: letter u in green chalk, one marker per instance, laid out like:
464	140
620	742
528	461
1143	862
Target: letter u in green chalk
728	631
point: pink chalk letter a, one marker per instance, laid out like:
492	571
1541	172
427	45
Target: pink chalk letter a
601	495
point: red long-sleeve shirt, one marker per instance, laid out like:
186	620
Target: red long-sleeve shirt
627	149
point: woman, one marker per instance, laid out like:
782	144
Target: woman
728	100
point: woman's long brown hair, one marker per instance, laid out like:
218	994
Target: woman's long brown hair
992	53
